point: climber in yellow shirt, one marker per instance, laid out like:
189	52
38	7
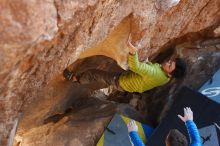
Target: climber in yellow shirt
139	78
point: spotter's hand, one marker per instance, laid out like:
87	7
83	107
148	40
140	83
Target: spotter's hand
132	126
188	114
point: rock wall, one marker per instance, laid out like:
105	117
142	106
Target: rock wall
39	38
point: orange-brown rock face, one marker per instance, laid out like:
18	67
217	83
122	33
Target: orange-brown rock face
39	38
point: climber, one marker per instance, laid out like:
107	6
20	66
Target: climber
174	137
141	76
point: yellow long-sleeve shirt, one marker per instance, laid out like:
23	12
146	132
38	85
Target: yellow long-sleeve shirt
142	76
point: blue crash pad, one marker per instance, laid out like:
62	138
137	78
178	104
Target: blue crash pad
211	88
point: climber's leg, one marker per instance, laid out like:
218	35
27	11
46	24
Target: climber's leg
98	77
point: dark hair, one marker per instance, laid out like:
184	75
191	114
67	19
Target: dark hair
180	70
176	138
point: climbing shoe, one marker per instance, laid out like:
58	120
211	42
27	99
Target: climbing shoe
67	74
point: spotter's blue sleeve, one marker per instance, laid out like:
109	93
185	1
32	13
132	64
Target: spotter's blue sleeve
135	138
193	132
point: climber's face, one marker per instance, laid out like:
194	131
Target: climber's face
169	66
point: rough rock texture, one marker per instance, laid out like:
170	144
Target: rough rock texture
89	122
39	38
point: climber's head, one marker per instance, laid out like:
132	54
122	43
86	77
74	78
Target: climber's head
176	138
176	69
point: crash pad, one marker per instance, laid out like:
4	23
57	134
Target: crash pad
212	87
116	133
